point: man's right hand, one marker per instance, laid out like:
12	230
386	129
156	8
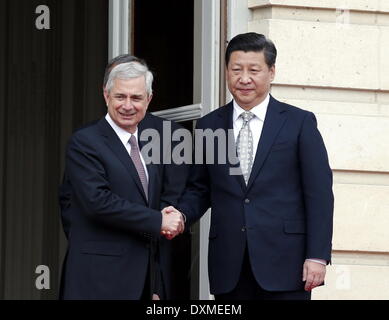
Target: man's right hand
172	222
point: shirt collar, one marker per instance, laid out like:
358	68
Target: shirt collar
259	111
123	135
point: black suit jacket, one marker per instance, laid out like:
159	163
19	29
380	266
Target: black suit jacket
283	216
113	231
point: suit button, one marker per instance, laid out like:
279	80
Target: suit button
244	229
247	201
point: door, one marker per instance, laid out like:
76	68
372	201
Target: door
180	40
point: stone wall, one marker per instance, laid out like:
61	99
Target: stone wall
334	61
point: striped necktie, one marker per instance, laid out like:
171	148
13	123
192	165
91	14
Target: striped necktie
135	156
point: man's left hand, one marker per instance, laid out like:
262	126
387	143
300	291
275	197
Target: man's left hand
313	274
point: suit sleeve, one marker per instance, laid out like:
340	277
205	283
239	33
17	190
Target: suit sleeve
174	177
196	198
64	197
92	190
316	176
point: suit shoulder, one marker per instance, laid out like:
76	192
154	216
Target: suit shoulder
209	118
86	131
153	118
295	111
87	125
158	122
299	116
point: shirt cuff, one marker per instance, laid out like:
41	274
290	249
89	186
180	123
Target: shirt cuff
323	262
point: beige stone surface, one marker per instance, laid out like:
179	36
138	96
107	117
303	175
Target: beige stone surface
335	101
383	53
361	178
361	218
338	16
328	54
329	94
354	282
335	63
357	143
362	5
341	108
383	97
356	134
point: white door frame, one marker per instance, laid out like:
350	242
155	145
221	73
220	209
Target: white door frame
119	26
206	95
206	64
208	14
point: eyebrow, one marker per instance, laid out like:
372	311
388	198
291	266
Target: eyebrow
237	64
137	96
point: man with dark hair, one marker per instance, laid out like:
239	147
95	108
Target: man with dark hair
253	42
112	200
271	224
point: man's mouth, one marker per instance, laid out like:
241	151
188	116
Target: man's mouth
245	90
127	115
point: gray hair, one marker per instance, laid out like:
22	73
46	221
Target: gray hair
130	70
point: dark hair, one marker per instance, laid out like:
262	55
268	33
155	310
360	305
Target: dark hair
252	42
124	58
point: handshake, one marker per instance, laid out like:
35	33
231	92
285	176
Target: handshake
172	223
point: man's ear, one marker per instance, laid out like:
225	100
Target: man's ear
273	72
106	96
149	98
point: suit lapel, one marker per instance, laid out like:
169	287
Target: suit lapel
114	143
275	119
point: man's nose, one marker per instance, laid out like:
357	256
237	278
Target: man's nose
128	104
245	77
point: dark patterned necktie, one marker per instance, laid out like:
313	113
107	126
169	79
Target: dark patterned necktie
245	145
135	156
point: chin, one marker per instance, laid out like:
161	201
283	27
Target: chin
245	102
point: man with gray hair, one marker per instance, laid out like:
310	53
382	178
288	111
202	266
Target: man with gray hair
114	221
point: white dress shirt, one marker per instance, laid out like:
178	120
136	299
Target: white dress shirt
124	137
256	123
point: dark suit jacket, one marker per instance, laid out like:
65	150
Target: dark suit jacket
112	229
284	215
